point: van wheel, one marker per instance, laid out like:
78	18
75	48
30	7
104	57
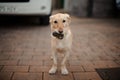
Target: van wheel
44	20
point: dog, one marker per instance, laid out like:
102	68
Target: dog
61	40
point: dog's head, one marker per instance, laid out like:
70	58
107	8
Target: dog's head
59	24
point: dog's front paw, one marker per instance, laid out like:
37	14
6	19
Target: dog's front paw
53	70
64	71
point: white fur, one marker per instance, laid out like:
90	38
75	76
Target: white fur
60	46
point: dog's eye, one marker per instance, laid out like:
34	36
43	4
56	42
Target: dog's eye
63	21
55	22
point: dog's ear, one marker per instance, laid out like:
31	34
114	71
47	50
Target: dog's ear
68	17
50	18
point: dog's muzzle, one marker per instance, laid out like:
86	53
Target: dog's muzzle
58	35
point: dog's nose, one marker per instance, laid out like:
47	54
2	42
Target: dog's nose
60	31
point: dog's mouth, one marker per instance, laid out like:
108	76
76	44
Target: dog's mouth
58	35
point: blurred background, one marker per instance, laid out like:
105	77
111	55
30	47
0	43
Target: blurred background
89	8
25	45
43	9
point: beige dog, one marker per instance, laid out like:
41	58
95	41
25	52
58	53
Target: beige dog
61	40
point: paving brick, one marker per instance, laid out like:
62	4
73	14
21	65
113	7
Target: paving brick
38	57
75	63
30	62
42	51
8	62
112	64
15	69
105	64
74	58
20	57
17	53
46	57
75	69
47	62
86	76
5	75
28	53
88	66
100	64
11	53
118	62
4	57
27	76
17	49
58	76
39	68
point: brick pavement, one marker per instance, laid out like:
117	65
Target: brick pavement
25	50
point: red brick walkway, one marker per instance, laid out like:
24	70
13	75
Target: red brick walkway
25	50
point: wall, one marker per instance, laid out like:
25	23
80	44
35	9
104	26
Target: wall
91	8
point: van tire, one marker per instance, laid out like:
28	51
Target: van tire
44	20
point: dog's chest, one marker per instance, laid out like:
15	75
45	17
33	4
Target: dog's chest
61	44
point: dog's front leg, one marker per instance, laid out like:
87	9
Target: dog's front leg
64	70
54	66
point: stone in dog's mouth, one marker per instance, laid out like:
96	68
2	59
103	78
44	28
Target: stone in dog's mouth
58	35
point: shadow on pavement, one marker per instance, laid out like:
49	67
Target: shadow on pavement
19	21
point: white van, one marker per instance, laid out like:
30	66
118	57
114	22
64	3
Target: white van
27	7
